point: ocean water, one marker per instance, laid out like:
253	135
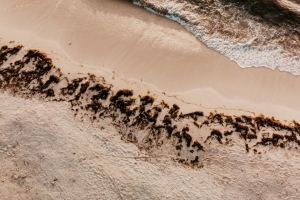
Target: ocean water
251	33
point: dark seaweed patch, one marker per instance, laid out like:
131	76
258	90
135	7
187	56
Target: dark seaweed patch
197	145
72	87
147	100
103	91
186	136
195	161
174	111
215	134
131	114
194	115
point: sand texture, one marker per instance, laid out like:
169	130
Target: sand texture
103	100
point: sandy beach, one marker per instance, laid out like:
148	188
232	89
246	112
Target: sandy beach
139	45
148	54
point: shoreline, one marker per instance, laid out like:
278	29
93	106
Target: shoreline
176	63
237	41
90	112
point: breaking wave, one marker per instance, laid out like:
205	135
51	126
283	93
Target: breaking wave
253	34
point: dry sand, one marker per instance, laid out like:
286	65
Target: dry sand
47	154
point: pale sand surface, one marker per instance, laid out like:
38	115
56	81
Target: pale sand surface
45	153
118	36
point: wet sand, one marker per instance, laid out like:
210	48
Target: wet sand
89	141
120	37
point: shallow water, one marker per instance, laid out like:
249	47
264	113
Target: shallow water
264	34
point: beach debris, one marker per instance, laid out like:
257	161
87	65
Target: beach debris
149	124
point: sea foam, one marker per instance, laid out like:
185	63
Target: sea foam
267	52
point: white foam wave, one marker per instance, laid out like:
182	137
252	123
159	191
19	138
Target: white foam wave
244	54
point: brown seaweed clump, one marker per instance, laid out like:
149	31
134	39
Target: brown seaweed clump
141	120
